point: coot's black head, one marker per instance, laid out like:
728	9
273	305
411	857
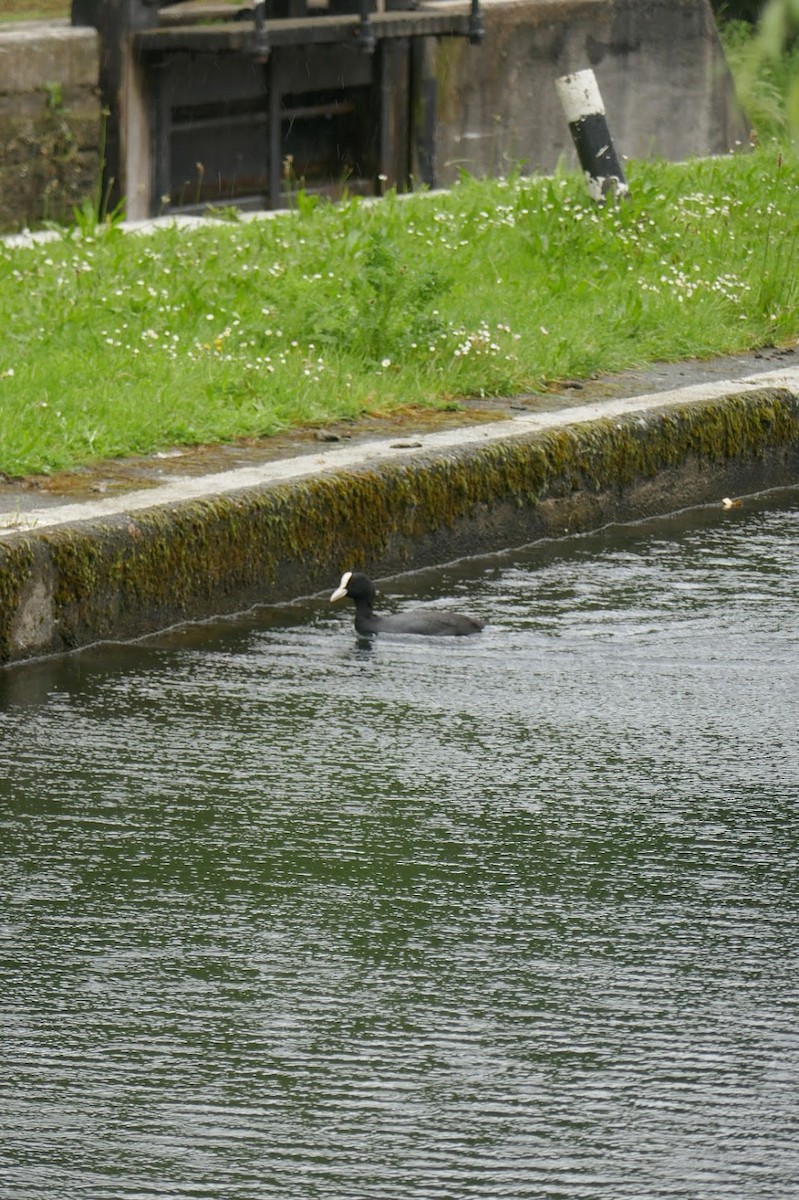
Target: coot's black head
357	586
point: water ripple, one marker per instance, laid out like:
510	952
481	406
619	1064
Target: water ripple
289	914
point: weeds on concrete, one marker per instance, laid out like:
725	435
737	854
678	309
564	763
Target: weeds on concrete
113	343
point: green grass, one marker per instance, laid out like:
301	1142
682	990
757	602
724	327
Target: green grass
115	344
766	78
43	10
32	10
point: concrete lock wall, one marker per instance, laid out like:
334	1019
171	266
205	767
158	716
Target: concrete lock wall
50	125
659	64
137	570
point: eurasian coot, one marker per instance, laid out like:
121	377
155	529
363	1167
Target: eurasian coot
433	621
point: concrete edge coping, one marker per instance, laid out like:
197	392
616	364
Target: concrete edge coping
34	56
379	451
56	29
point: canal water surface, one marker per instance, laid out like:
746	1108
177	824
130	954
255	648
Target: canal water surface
288	914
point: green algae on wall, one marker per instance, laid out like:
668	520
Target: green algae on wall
615	453
138	573
50	158
16	562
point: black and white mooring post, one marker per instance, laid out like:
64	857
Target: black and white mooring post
585	112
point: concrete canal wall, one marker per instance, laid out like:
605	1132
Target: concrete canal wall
50	123
117	569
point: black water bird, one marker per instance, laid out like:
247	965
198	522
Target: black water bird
431	621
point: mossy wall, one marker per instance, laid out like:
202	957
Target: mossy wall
67	587
49	162
50	123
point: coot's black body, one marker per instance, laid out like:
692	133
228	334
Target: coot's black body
430	621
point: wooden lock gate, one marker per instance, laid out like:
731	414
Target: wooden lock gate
209	104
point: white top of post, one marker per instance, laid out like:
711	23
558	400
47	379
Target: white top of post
579	96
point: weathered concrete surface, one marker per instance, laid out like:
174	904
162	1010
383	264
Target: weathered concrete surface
50	126
35	52
80	572
659	64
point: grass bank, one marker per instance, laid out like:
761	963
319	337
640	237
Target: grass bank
766	78
42	10
114	344
34	10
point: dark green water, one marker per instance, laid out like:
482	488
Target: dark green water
282	915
